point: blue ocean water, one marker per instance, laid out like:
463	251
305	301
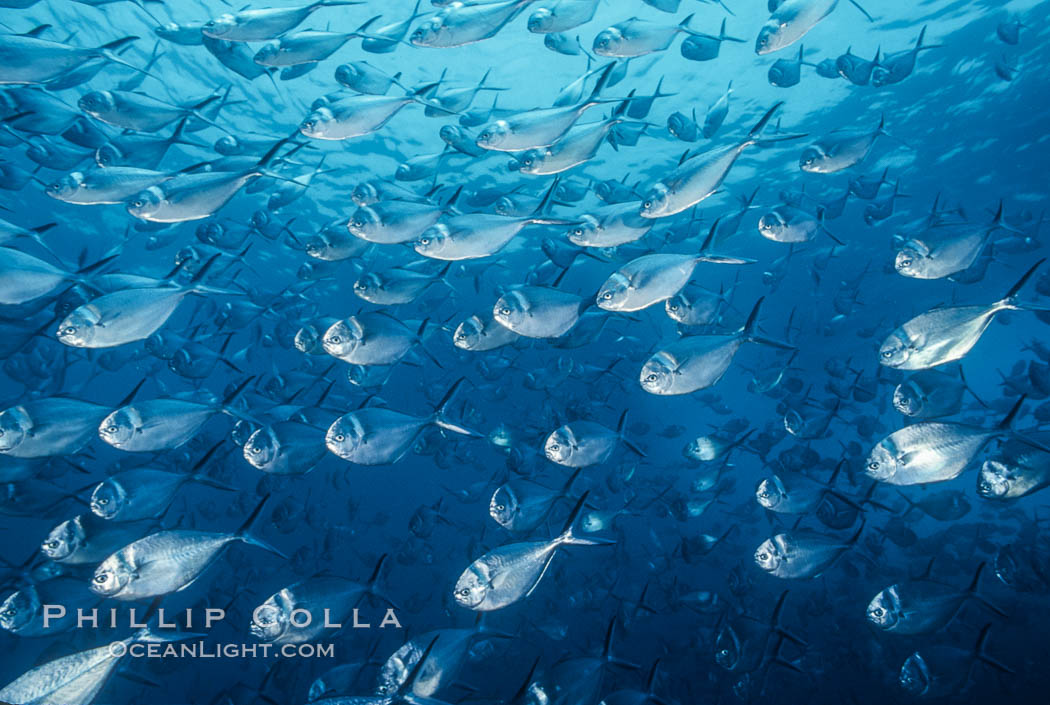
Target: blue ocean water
679	601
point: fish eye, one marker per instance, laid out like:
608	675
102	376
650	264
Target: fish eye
647	204
52	544
424	241
340	438
505	311
763	556
70	330
103	502
111	429
578	231
877	611
555	446
464	592
500	507
887	354
673	307
607	295
527	162
101	578
334	340
873	465
651	378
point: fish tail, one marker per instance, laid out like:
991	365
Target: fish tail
982	655
244	535
1010	300
975	586
750	331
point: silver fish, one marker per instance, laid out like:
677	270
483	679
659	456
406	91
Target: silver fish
167	561
932	451
698	177
78	678
260	25
922	606
801	554
946	334
699	361
512	572
840	150
792	20
538	312
583	443
44	427
1016	469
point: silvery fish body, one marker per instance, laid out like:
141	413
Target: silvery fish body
480	333
120	317
161	563
791	21
800	554
538	312
45	427
509	573
327	599
693	363
158	424
1016	469
927	452
369	339
87	539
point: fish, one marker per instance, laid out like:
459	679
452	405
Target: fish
894	68
652	279
584	443
802	554
481	332
77	678
521	505
706	47
306	46
932	451
946	334
930	394
373	338
127	315
460	24
87	539
264	24
716	114
377	436
512	572
942	671
785	73
41	428
698	177
792	20
145	493
637	37
922	606
698	362
478	235
538	311
944	250
561	15
1016	469
168	561
30	60
358	115
328	599
541	127
840	150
